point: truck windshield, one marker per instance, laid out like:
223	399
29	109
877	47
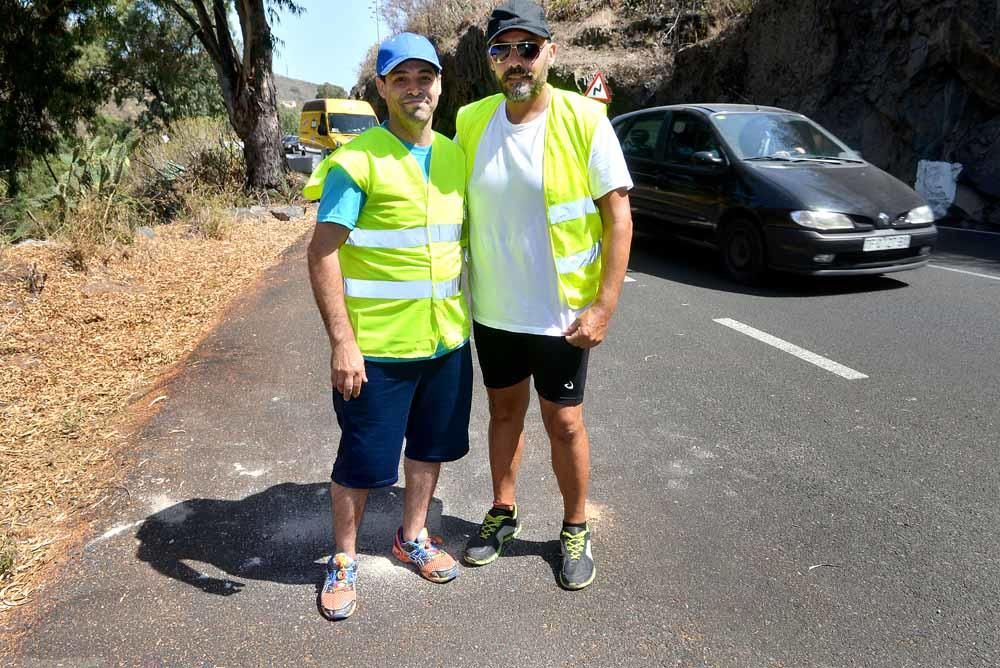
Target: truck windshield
764	135
350	124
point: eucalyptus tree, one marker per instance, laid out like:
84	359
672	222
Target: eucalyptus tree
243	65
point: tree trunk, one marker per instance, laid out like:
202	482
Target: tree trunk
261	135
247	81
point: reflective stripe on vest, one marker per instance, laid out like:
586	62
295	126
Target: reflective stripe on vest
410	238
571	263
560	213
356	287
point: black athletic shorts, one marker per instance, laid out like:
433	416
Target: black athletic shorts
507	358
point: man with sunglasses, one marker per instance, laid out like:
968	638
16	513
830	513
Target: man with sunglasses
550	231
385	263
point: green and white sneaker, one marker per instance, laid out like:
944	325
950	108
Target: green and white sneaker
578	569
499	527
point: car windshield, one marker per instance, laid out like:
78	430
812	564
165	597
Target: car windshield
350	124
779	136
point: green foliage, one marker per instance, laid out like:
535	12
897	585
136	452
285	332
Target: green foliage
155	59
47	78
289	119
330	90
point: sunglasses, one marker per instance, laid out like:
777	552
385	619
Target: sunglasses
526	51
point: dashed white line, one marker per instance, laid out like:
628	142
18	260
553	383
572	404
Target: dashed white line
963	271
792	349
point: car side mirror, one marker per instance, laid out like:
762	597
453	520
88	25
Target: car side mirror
321	130
707	158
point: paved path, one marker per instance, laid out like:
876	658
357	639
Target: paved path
751	508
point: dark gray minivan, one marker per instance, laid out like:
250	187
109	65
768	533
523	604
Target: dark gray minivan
770	189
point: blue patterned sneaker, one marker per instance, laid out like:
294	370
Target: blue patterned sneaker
425	554
338	598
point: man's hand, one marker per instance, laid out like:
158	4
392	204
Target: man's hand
589	329
347	369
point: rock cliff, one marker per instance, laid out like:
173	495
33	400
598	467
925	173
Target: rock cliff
901	80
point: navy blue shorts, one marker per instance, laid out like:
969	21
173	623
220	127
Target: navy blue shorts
426	401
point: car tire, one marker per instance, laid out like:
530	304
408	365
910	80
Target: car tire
744	256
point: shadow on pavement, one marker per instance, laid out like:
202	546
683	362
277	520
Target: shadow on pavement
683	262
283	535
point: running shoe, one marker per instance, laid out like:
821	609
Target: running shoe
424	553
338	598
578	568
499	527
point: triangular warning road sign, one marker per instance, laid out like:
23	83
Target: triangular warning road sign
598	89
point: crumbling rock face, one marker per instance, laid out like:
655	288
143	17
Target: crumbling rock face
902	80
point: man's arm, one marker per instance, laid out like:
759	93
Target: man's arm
591	327
347	366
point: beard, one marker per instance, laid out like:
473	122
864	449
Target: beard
526	88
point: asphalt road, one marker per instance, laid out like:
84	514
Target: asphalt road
751	508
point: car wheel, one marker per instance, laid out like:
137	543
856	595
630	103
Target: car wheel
743	253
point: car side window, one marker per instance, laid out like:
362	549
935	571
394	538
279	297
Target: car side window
641	137
690	134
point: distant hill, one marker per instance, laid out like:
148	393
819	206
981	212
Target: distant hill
294	90
291	94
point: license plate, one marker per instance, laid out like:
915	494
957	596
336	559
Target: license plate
887	243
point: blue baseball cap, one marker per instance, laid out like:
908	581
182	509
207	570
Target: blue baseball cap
404	46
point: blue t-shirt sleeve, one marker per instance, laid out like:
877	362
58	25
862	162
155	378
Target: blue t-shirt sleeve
341	201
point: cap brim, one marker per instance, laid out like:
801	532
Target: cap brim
392	64
539	32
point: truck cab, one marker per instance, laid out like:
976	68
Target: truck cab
328	123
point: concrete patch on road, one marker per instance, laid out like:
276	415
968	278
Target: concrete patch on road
255	473
169	511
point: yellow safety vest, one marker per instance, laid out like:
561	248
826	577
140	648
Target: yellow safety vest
402	263
575	228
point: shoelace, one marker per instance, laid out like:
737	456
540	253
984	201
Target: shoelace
427	550
343	579
490	526
575	544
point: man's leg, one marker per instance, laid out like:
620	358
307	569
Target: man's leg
437	431
348	506
508	406
570	456
421	480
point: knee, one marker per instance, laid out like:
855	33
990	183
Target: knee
507	413
565	430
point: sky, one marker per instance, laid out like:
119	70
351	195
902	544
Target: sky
327	42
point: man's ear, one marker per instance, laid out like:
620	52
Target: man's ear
552	52
380	85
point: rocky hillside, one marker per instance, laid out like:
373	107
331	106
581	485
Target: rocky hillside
901	80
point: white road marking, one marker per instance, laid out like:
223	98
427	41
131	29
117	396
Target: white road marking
792	349
629	279
963	271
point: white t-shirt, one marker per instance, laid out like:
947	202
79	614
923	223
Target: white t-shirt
513	274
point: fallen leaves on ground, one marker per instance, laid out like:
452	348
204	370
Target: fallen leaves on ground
76	354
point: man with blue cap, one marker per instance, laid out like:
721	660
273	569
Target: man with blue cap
385	263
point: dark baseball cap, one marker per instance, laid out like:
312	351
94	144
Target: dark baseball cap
405	46
518	14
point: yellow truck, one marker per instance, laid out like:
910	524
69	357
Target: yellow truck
329	123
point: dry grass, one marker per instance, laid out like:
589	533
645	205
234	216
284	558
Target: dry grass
78	347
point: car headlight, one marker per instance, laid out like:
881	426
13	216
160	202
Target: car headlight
823	220
922	215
